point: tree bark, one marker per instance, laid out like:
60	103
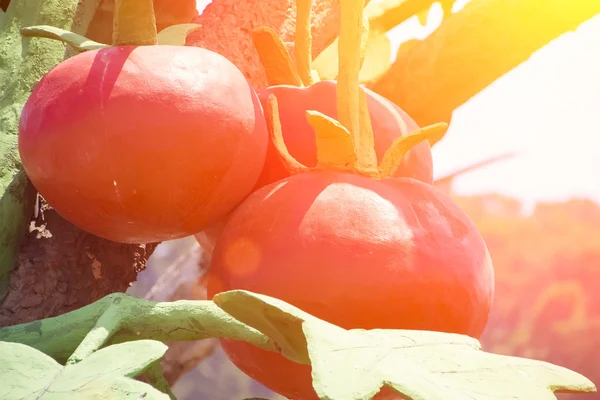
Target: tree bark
473	48
61	268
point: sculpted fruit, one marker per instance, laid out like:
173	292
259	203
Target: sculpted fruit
299	90
348	241
357	252
143	144
388	120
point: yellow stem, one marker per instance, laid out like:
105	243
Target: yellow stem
393	156
134	23
351	108
365	147
276	136
335	148
303	41
275	58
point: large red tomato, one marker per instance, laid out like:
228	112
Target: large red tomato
389	122
358	252
143	144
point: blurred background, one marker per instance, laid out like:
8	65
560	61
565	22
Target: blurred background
539	213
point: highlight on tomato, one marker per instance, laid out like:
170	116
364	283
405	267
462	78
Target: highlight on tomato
143	143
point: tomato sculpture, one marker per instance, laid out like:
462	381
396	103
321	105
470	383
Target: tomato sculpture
389	123
142	144
357	252
298	90
349	241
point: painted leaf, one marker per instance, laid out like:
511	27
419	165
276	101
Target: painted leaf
420	365
80	43
28	373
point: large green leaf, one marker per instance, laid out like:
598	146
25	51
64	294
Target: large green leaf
26	373
420	365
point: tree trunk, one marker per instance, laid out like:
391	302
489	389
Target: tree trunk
61	268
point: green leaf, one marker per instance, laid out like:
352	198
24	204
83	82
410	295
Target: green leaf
79	42
27	373
420	365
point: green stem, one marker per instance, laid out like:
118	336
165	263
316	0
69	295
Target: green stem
60	336
155	377
107	325
78	42
134	23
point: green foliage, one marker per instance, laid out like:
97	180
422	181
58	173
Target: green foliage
420	365
29	374
347	364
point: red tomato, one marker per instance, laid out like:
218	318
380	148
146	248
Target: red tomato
357	252
388	120
143	144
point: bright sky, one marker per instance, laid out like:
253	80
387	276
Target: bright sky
554	94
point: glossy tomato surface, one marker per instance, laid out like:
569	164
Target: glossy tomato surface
389	122
143	144
357	252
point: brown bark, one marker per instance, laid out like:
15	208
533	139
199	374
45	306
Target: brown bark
473	48
61	268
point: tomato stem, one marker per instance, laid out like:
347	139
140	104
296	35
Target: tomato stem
352	111
276	137
134	23
303	41
275	58
393	156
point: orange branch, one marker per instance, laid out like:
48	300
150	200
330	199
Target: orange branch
472	49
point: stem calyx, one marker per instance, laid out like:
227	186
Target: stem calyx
349	144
